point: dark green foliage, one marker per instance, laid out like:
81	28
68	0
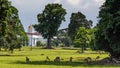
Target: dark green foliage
77	44
49	21
4	12
10	27
108	29
15	29
92	44
3	28
39	43
63	37
77	20
66	41
56	42
78	30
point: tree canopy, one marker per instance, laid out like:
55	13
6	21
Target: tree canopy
4	12
49	21
108	28
77	20
63	38
82	38
10	26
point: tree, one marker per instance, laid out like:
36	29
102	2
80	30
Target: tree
82	38
15	29
4	11
10	26
77	20
62	38
108	34
49	21
93	46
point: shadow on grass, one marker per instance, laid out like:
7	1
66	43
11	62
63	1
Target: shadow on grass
44	48
68	48
62	63
11	55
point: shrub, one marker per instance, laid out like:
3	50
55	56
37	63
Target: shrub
39	43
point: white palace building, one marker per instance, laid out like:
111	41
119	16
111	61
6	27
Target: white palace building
33	37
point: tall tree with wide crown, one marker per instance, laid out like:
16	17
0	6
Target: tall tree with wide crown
49	21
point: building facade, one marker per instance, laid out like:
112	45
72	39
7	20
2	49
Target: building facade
33	37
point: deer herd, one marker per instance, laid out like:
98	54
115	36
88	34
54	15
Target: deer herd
57	59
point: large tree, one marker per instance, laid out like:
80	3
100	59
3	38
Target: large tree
108	28
10	26
4	12
77	20
15	29
49	21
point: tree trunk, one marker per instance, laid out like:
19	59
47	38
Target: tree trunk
82	50
19	49
0	42
48	43
0	48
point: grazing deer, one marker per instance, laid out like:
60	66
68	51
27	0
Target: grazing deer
88	59
98	57
47	59
70	60
27	59
57	59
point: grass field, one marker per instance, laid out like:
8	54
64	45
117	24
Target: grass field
17	59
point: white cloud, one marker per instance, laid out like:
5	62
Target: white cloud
99	2
57	1
85	4
91	4
74	2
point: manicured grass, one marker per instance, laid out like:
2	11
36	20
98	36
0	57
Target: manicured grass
17	59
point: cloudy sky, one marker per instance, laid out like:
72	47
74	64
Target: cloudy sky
28	9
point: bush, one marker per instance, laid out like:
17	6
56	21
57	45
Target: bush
62	45
39	43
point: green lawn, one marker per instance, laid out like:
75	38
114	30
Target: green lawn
17	59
